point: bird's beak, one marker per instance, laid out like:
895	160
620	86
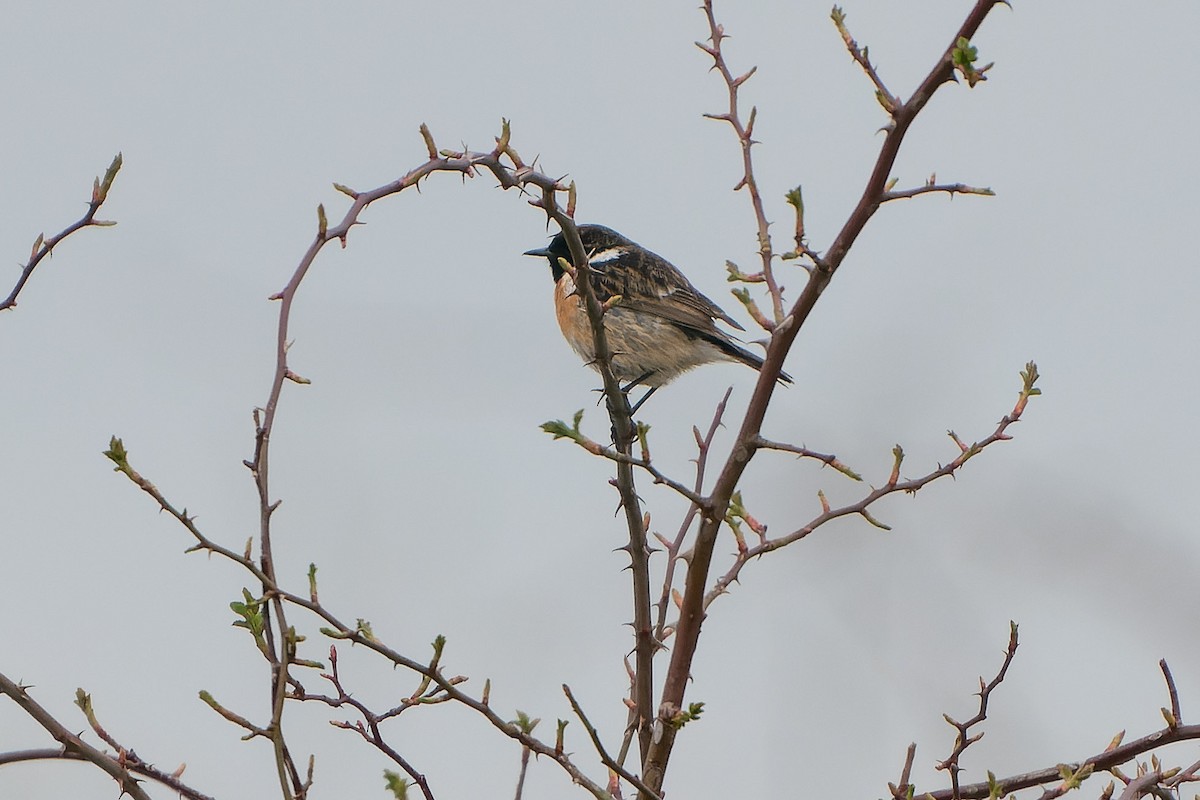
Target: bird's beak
544	252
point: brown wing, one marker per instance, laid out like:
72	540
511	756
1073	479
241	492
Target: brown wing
649	283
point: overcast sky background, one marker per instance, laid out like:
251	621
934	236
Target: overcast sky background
413	472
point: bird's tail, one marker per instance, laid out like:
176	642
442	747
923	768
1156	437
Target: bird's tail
748	358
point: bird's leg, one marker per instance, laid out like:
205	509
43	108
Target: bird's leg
645	397
625	389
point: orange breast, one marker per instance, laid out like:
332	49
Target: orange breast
572	318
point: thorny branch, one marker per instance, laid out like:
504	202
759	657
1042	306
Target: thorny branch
894	484
1062	778
695	593
624	432
368	728
674	546
43	247
121	768
605	758
745	133
360	635
1111	758
278	639
946	188
964	739
511	172
502	162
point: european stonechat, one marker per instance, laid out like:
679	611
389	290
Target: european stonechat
661	326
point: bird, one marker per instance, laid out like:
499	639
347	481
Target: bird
660	325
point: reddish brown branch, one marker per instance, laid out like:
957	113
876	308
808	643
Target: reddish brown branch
1065	777
828	459
279	653
745	132
1176	717
673	547
860	508
605	758
504	164
947	188
1106	760
121	768
862	57
369	727
900	790
964	739
624	434
338	629
693	605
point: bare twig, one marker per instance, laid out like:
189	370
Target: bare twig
521	775
1176	716
503	163
827	459
1143	784
745	134
703	445
121	768
560	429
894	484
1110	758
948	188
42	246
368	728
605	758
1184	776
964	739
1065	777
624	433
693	604
900	790
353	633
862	56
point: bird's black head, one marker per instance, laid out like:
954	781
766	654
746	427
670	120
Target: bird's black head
594	237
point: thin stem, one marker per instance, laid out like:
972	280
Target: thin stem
745	132
118	768
696	585
605	758
42	246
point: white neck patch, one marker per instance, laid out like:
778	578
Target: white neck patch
605	256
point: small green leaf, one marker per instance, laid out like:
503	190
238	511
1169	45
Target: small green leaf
693	712
397	785
524	723
560	430
117	454
795	199
995	791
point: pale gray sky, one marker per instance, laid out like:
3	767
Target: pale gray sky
413	472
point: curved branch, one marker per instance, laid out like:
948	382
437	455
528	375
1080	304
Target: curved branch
340	630
121	768
42	246
693	604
